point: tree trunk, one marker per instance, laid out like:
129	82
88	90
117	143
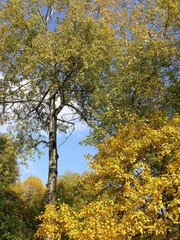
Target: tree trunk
53	156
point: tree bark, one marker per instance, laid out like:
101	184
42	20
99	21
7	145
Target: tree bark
53	156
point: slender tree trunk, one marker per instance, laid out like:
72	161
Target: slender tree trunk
53	156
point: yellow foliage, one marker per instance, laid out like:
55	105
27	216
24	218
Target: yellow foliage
30	191
136	174
126	48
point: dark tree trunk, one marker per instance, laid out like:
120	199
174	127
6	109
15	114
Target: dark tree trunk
53	156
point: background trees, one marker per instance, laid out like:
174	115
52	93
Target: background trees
73	190
144	78
136	110
110	62
9	171
32	194
14	224
31	191
20	203
115	64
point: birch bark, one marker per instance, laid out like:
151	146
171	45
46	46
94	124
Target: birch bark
53	156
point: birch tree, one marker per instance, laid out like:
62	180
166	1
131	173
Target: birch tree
52	54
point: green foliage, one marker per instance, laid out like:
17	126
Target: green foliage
52	54
14	224
58	48
72	189
115	64
144	78
9	171
32	193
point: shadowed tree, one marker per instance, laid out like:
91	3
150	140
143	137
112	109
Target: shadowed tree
13	215
9	171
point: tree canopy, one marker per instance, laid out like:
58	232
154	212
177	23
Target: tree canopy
13	215
52	54
136	175
115	64
144	77
9	171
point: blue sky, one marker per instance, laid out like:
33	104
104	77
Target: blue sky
71	156
71	153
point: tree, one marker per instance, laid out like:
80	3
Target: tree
31	191
9	171
136	174
14	223
144	80
73	191
13	218
32	194
134	98
52	54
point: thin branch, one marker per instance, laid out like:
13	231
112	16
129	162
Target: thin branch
36	108
73	129
49	13
80	113
64	121
17	90
42	17
99	193
42	141
167	20
21	101
61	90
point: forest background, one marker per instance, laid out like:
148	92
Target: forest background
115	66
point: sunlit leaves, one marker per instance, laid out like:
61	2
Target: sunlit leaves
32	194
52	44
141	165
118	61
144	75
136	174
30	191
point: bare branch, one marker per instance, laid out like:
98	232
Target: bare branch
40	102
21	101
73	129
64	121
42	141
167	21
80	114
49	13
